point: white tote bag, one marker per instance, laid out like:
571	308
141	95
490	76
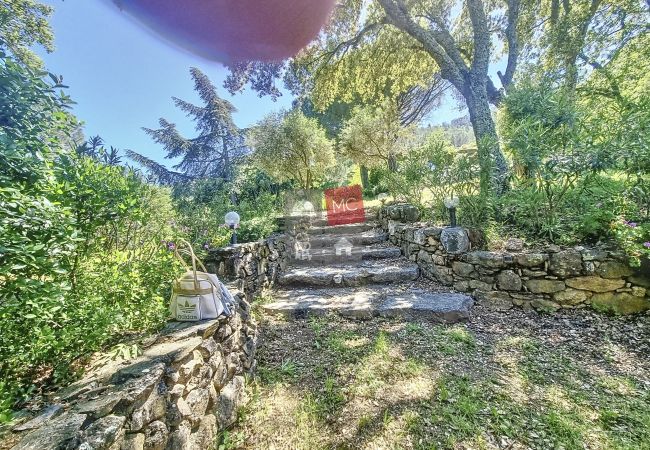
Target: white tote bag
197	295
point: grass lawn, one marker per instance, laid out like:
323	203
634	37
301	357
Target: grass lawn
505	380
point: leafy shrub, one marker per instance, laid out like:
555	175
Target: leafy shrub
81	260
581	214
202	205
433	171
634	238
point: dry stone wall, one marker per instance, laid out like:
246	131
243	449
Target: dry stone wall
253	266
546	279
179	394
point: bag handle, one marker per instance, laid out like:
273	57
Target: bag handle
189	251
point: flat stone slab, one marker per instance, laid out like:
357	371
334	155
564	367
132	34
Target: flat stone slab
366	272
330	256
371	301
369	237
439	307
349	228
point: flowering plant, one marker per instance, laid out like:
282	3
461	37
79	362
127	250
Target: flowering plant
634	238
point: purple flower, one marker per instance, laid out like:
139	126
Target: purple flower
171	246
631	224
206	246
646	244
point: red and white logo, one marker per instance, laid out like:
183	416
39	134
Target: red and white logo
344	205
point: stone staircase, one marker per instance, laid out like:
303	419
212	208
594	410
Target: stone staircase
352	270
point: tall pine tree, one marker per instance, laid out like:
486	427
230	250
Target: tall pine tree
211	154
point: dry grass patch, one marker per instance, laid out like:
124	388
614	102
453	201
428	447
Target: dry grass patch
514	380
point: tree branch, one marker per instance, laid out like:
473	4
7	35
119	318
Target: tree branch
513	43
399	17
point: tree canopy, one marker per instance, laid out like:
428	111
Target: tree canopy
381	48
210	154
291	146
24	23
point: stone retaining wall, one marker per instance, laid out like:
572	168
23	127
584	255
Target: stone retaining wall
179	394
546	279
254	266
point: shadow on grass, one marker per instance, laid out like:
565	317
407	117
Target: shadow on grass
334	383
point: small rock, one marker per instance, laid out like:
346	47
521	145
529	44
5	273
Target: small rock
230	398
514	245
156	436
540	286
102	433
462	269
595	284
544	305
638	291
133	441
44	416
570	297
530	259
614	269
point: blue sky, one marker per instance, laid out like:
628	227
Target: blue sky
122	77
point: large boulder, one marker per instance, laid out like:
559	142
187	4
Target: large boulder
620	303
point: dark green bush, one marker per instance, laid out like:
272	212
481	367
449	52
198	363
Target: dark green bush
81	259
582	214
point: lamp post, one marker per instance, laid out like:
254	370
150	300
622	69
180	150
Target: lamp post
451	203
232	220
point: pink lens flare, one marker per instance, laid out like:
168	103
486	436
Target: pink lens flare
230	31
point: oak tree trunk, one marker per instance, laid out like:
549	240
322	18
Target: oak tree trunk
365	182
494	169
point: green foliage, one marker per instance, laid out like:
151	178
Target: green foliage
23	23
292	147
634	238
435	170
568	151
81	260
202	205
373	135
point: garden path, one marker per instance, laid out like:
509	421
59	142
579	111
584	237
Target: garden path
352	270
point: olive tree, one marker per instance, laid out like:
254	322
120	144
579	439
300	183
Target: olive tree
291	146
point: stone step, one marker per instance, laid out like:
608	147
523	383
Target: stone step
362	273
349	228
370	301
330	256
320	219
370	237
